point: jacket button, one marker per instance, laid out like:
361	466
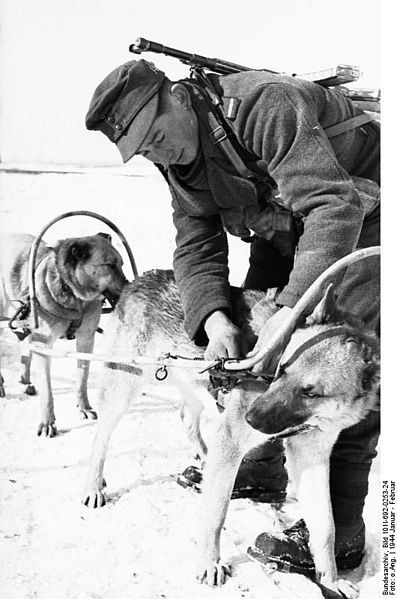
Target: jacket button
118	126
110	119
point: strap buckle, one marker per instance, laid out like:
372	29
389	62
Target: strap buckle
217	135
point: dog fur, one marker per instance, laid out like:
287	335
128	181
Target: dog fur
72	279
328	387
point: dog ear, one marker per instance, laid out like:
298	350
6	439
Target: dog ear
78	251
106	236
326	311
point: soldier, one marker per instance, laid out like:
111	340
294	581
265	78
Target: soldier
303	192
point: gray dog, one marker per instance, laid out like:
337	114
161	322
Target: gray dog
72	280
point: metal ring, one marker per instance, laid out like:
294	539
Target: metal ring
161	373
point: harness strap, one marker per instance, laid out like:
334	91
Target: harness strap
348	124
332	332
23	312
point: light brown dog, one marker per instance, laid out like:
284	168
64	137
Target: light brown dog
72	280
327	381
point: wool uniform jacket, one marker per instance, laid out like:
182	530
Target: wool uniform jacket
279	121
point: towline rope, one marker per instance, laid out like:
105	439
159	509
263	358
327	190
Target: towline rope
234	368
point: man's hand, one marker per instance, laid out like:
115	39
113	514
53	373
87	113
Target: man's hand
225	340
271	329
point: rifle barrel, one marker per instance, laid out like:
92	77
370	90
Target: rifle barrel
215	64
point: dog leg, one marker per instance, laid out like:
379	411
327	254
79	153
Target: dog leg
222	463
314	483
310	463
320	523
198	412
191	421
85	337
46	426
225	452
26	361
114	404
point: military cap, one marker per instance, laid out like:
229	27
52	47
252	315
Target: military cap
125	105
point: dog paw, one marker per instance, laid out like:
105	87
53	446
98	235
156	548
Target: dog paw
215	574
94	499
46	429
87	414
30	389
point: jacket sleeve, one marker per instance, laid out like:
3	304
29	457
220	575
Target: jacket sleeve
201	267
279	124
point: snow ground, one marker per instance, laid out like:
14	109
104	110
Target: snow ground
142	544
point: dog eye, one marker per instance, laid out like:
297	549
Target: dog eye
309	392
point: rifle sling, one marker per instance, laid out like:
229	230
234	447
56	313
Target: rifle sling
219	136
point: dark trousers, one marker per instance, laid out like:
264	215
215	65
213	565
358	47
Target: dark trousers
355	449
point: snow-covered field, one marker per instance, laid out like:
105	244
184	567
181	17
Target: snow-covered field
142	544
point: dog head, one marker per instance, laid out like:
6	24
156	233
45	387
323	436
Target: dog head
328	376
91	267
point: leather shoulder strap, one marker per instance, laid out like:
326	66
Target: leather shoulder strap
218	131
348	124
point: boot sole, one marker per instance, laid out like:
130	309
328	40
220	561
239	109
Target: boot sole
349	563
282	565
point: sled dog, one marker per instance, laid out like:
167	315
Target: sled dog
326	381
72	280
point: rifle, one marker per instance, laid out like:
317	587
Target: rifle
329	77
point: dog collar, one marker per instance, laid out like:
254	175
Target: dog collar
331	332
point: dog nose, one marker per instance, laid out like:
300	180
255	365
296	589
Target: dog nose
256	418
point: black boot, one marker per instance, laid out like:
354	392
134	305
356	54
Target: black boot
289	550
